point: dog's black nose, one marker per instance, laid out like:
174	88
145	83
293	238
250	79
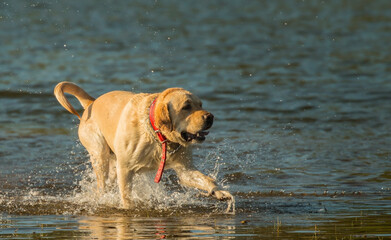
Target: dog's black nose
208	119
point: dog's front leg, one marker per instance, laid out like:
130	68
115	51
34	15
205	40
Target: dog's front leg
124	179
191	177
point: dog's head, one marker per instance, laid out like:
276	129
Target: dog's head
180	117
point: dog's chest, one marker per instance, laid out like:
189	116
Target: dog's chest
151	157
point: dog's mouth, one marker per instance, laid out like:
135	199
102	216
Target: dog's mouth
199	136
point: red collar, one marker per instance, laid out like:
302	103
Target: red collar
162	139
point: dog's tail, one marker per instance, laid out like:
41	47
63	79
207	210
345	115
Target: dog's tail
71	88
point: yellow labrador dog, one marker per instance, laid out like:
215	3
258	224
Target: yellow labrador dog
127	133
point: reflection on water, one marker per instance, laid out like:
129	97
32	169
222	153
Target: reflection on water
57	227
299	89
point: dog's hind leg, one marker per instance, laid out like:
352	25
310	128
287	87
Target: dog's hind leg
100	153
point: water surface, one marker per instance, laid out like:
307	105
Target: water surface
300	91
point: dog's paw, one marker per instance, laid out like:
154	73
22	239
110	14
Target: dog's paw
225	196
222	195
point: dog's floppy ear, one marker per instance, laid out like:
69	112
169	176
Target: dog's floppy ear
162	116
162	112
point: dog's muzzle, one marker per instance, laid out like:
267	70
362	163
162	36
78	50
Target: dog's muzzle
199	136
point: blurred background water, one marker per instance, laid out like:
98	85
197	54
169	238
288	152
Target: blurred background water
300	91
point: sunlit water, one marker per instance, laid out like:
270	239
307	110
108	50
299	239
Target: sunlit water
300	91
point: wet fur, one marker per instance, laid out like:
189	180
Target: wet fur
116	131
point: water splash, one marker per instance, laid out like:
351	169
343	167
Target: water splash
145	194
150	198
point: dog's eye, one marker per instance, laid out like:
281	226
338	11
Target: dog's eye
187	107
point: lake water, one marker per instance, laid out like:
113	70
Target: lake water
300	91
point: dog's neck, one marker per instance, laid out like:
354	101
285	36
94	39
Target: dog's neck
163	140
159	134
173	147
